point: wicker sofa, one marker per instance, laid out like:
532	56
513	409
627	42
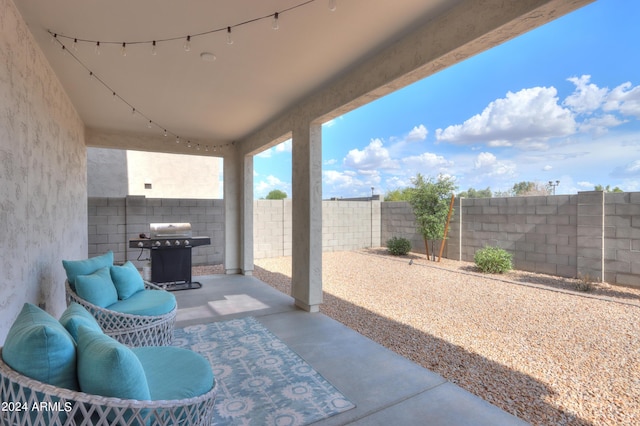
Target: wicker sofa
68	372
132	311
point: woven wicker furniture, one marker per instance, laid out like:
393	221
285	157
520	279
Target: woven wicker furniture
29	402
129	329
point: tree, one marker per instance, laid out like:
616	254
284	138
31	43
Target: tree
276	194
607	188
525	188
430	202
399	194
476	193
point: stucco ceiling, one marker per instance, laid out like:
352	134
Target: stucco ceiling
263	73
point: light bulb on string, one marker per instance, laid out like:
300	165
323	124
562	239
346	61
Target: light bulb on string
133	111
154	50
54	37
75	44
165	133
90	75
229	38
198	147
114	96
187	44
64	49
333	5
274	22
188	144
177	139
123	51
149	125
97	48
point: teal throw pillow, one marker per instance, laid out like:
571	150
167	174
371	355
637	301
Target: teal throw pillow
73	268
75	316
97	288
109	368
38	346
127	280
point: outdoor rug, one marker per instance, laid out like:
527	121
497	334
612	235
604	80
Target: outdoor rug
260	380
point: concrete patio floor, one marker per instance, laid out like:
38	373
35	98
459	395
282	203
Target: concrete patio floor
386	388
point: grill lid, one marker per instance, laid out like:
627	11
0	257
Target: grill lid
171	230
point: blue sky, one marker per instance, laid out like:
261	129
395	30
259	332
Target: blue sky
561	102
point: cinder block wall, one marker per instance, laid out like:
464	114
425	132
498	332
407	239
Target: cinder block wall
591	233
113	221
346	225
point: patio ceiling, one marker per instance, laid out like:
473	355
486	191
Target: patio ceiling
251	82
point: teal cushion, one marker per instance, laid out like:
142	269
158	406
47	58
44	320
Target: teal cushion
39	347
175	373
109	368
75	316
127	280
97	288
146	302
74	268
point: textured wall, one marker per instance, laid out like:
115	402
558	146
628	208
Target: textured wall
586	234
113	221
43	207
346	225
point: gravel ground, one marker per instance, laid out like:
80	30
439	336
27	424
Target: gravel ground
528	343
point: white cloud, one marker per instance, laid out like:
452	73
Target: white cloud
629	170
547	168
374	157
330	162
487	164
271	182
587	97
521	118
418	133
600	125
585	184
625	99
427	163
284	146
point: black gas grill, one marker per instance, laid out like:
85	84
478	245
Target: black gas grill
170	245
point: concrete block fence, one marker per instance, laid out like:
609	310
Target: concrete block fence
113	221
591	234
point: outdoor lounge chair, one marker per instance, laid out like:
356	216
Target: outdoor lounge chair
132	311
68	372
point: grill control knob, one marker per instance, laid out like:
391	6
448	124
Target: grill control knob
177	242
186	242
167	243
156	243
140	244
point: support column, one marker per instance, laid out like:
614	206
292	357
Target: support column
232	212
247	216
306	286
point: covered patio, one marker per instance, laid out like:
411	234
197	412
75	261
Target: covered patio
77	74
384	387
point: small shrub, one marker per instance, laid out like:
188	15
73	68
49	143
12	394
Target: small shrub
398	246
493	260
585	283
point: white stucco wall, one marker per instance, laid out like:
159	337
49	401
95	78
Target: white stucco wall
118	173
43	197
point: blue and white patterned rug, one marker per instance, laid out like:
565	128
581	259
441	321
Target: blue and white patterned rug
260	380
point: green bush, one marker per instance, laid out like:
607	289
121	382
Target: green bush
493	260
398	246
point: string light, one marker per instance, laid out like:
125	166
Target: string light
275	25
274	17
229	39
